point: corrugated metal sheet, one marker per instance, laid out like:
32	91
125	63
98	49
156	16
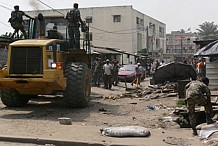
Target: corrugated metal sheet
104	51
212	74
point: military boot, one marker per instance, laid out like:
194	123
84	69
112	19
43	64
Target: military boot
194	131
208	119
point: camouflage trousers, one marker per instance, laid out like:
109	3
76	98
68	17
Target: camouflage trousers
74	36
18	26
196	100
97	77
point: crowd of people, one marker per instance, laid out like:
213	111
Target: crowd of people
106	72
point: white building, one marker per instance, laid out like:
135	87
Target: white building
120	27
180	46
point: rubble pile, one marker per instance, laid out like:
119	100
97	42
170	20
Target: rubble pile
152	92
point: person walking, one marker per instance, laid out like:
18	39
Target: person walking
16	21
157	64
115	72
148	69
74	21
108	74
137	79
195	91
199	67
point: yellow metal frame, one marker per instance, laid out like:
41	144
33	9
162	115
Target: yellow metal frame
51	80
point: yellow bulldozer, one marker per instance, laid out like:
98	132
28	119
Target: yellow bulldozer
45	65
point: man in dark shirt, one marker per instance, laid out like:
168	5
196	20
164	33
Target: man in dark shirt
16	21
74	20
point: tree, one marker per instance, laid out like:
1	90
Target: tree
208	30
7	35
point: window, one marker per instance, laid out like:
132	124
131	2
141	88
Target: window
59	47
117	18
142	22
137	20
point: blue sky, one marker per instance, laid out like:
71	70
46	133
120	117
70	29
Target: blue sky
176	14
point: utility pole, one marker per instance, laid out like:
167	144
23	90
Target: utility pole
181	48
147	40
88	20
153	32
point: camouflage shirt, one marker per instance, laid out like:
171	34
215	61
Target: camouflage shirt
73	17
197	88
17	16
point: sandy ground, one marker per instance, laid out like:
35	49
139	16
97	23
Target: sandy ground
40	119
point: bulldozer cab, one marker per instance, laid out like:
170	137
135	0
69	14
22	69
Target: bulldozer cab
55	28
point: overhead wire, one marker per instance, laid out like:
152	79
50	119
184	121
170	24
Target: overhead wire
116	32
50	7
5	24
113	32
6	7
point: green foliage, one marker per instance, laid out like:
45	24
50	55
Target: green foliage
208	30
180	102
7	35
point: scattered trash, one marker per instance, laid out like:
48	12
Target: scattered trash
207	130
133	103
64	121
167	119
127	131
150	107
102	110
176	141
109	97
211	142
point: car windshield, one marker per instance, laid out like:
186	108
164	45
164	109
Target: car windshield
128	68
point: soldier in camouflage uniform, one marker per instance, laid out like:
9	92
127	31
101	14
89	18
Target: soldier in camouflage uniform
16	21
97	73
198	93
74	20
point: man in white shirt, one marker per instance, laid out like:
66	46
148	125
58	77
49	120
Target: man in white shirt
107	74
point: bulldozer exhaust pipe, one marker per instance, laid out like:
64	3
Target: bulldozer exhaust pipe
41	25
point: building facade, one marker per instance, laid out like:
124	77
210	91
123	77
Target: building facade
120	27
180	45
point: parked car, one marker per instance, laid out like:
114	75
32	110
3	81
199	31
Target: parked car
127	72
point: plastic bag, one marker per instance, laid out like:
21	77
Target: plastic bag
127	131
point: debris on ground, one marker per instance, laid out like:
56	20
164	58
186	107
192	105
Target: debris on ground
64	121
207	130
150	107
126	131
152	92
178	115
176	141
211	142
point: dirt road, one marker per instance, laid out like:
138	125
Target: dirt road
40	119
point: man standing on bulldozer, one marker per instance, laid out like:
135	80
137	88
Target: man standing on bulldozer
74	21
16	21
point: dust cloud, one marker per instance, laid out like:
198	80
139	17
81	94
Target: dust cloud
35	4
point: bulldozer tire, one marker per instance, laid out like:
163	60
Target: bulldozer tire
78	88
12	98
